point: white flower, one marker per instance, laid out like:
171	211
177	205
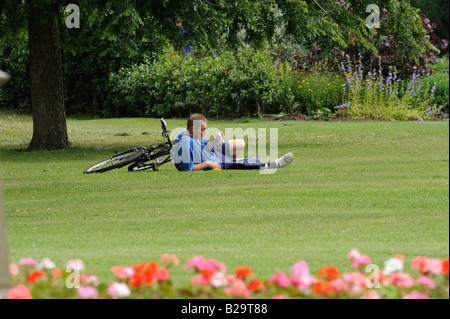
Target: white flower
118	290
218	279
75	265
392	265
45	263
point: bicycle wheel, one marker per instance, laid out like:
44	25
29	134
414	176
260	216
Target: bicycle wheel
157	157
117	161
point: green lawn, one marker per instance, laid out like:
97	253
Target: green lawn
380	187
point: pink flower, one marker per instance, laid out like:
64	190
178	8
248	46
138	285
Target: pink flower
238	290
277	297
361	260
27	262
118	290
401	280
354	253
355	278
123	272
300	268
211	265
169	259
426	281
165	258
20	292
338	285
13	269
214	265
433	266
88	292
200	264
161	274
89	279
295	280
302	282
231	277
418	261
416	295
280	279
197	262
199	280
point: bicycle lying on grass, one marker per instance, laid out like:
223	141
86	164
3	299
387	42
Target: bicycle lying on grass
140	158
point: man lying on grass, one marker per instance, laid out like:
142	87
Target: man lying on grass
192	153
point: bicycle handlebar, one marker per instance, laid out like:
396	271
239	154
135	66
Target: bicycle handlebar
165	133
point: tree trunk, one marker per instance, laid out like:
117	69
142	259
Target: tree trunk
258	110
46	79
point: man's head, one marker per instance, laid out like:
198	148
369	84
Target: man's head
197	125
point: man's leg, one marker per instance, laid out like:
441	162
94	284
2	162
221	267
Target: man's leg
230	151
236	148
255	163
246	164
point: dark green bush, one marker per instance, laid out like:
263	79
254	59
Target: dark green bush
245	83
313	93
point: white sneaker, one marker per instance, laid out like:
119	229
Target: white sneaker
285	160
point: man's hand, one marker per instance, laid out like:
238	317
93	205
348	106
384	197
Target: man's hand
214	165
206	165
218	139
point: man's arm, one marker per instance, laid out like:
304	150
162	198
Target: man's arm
206	165
217	140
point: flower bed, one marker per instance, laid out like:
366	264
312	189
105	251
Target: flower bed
211	279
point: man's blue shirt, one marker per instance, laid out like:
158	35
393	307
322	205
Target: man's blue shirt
188	151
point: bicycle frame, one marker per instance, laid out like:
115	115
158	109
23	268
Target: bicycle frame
150	154
138	158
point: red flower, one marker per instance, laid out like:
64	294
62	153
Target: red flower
144	273
207	273
243	272
256	285
445	266
329	272
323	287
34	276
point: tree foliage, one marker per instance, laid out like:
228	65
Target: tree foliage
116	34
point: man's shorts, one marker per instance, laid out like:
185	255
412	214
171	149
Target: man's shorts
227	161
